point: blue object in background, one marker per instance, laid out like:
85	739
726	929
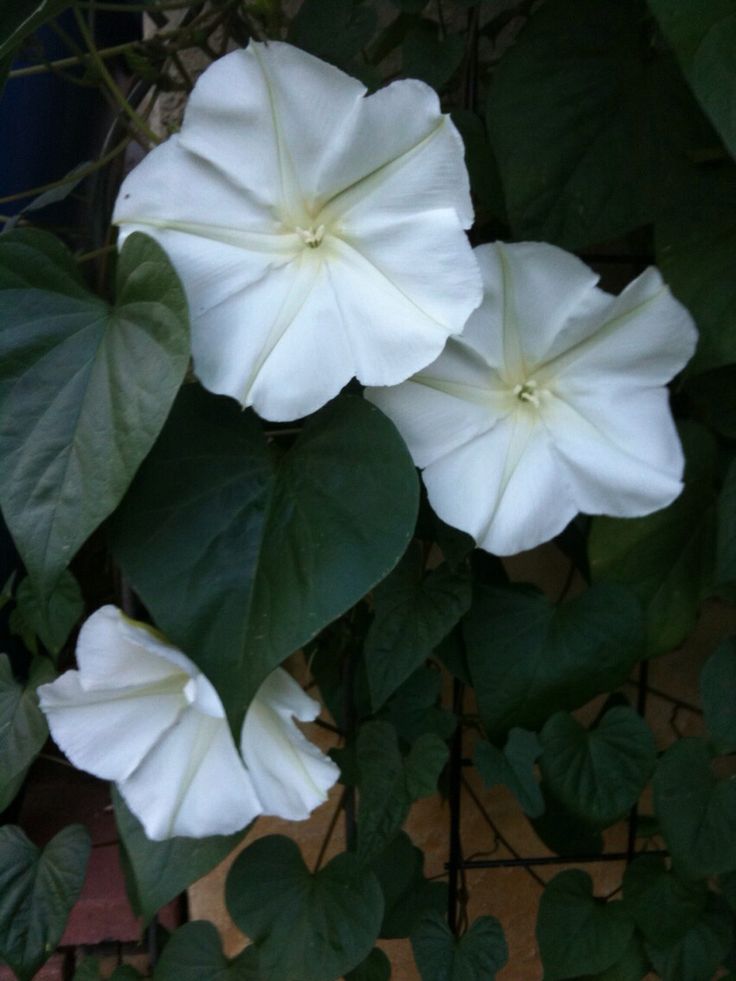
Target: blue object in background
48	124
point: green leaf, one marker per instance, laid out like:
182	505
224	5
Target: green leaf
577	933
335	30
696	810
485	180
702	34
696	251
23	729
598	774
713	398
50	621
194	953
428	56
529	658
37	891
718	694
514	768
21	17
633	965
666	557
726	529
413	613
592	127
311	926
91	970
376	967
91	386
696	955
476	956
407	895
390	782
157	871
241	557
664	905
414	710
564	833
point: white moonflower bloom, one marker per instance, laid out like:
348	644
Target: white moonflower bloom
317	231
140	713
552	401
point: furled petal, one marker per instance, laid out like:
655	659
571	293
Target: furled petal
318	231
290	774
504	488
192	782
619	449
107	732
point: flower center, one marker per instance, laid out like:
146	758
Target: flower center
312	237
527	392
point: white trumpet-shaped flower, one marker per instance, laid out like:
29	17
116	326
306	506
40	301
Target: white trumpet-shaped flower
552	401
140	713
318	232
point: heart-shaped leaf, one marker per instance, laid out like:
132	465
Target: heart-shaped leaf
695	810
242	557
52	620
23	729
376	967
194	953
37	891
598	774
514	768
311	926
408	896
663	904
530	658
476	956
698	952
87	387
577	933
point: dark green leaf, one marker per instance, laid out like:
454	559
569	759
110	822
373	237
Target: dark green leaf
335	30
51	621
563	833
413	613
485	180
414	710
429	56
726	529
702	34
591	125
407	894
713	396
157	871
90	970
667	557
514	768
390	782
633	965
696	955
21	17
37	891
696	250
718	694
194	953
376	967
664	905
577	933
598	774
476	956
23	729
311	926
90	383
242	558
530	658
696	810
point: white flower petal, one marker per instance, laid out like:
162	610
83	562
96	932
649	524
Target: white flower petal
531	291
290	774
107	732
644	334
619	449
504	487
192	782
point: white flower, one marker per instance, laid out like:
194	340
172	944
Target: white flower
140	713
318	232
551	402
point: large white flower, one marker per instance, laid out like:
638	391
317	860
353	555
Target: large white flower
140	713
318	232
551	402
